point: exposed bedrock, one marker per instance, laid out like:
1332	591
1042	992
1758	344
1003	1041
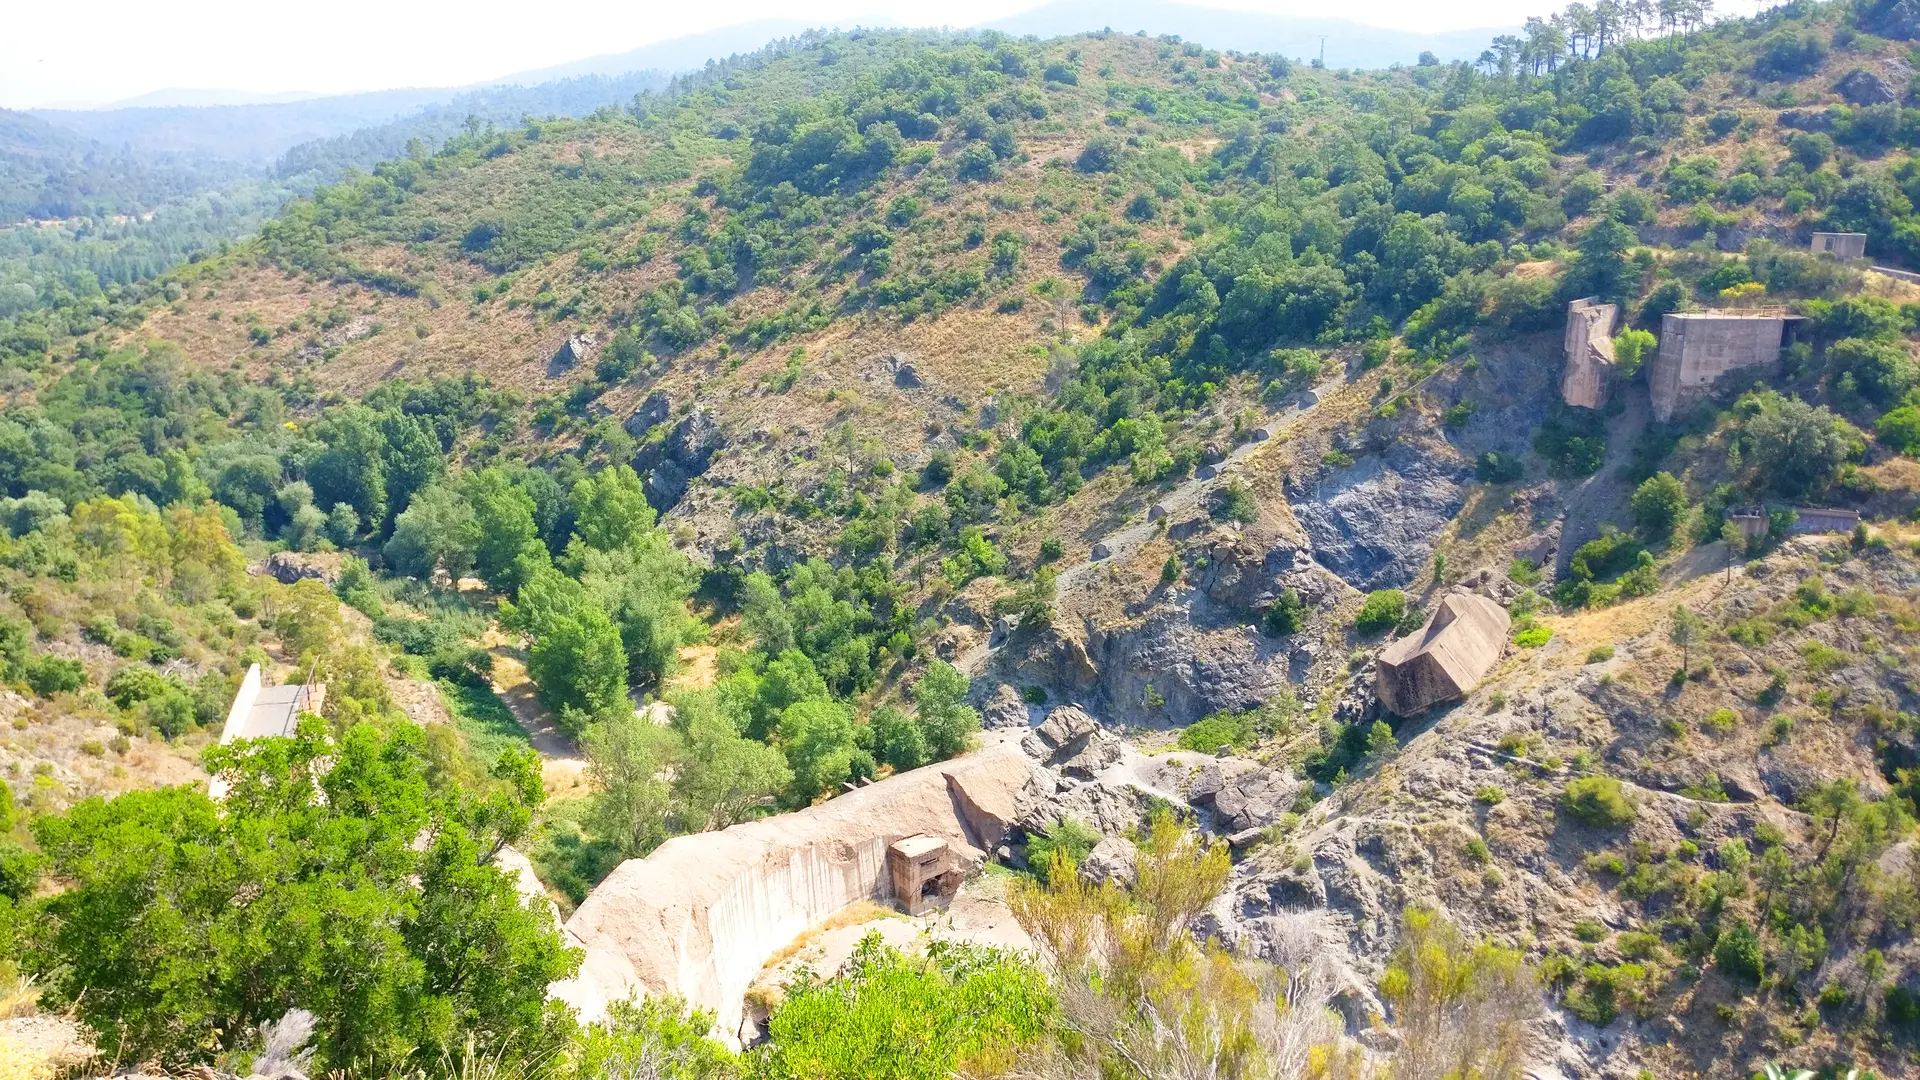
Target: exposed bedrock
1374	522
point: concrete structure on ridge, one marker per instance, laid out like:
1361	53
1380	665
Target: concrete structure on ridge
1754	521
1446	658
701	916
1589	373
1845	245
1698	348
260	712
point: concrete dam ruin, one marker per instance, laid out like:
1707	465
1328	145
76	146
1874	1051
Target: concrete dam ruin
1446	658
1588	377
701	916
1697	349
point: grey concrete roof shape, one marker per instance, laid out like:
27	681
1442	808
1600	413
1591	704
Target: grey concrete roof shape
1446	658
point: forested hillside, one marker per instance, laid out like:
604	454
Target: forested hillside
880	386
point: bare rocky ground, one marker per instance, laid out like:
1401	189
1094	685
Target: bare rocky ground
1466	813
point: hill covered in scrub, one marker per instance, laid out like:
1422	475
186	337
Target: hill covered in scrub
880	387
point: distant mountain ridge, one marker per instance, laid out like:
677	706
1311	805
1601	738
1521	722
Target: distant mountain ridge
1349	44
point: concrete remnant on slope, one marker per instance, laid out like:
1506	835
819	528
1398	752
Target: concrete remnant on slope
260	712
1754	521
1446	658
1698	348
701	916
1589	373
1844	245
920	864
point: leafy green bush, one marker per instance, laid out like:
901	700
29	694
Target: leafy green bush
1739	954
1599	801
1658	503
1286	615
49	675
1383	610
1067	838
245	884
891	1016
1603	991
1223	728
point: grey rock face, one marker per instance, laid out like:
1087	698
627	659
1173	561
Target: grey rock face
1900	21
652	411
1863	87
1192	670
685	453
666	484
1374	522
1003	708
1110	862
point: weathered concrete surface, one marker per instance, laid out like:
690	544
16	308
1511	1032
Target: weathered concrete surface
701	915
1588	377
1846	245
1697	349
1446	658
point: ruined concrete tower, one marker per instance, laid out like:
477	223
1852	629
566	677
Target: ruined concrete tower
1589	373
1696	349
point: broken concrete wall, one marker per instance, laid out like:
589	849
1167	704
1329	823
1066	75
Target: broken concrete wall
701	916
1446	658
1589	344
1697	349
1845	245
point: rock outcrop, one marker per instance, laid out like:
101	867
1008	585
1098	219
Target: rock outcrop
1374	522
1072	741
1446	658
1863	87
701	915
686	452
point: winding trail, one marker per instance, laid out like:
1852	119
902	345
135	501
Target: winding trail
563	766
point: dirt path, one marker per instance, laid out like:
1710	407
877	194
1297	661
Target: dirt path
1603	496
564	767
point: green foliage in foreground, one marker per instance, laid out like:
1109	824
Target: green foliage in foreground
962	1009
184	924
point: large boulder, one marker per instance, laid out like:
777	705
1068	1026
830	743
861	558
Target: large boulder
1863	87
1002	707
1111	862
1073	742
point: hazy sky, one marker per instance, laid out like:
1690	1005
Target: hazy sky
107	50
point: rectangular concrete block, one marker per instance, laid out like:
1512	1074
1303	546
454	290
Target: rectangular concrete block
1697	349
1843	245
